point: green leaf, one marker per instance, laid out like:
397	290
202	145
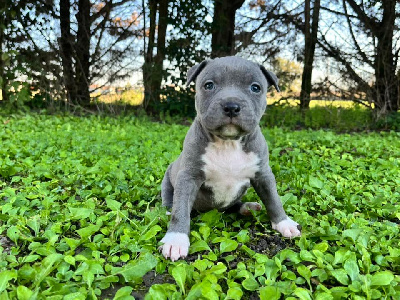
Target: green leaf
152	232
23	293
124	293
303	294
315	182
382	278
69	259
179	274
5	277
79	213
88	231
351	267
47	266
198	246
228	246
135	270
250	284
113	204
340	276
219	268
234	292
270	293
305	272
205	232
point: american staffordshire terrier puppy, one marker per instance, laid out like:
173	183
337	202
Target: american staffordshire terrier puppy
224	152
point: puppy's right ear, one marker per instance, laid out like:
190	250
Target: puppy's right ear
194	71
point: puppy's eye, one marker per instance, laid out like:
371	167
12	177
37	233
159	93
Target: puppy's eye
255	88
209	85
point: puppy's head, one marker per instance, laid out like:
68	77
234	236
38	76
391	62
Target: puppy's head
230	95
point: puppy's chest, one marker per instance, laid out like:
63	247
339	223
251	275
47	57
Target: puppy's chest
228	169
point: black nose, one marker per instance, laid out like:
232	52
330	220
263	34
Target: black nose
231	109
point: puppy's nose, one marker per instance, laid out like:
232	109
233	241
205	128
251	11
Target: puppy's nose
231	109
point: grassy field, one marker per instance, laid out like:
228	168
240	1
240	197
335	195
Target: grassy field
81	216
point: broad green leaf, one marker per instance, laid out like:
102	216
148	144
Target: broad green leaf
382	278
136	269
88	231
341	276
315	182
303	294
351	267
113	204
47	266
23	293
5	277
69	259
75	296
152	232
219	268
305	272
179	274
198	246
243	236
234	291
124	293
205	232
161	291
228	246
250	284
270	293
79	213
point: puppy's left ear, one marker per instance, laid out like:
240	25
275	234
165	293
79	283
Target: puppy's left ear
271	78
195	71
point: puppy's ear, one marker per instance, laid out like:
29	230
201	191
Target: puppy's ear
194	71
271	78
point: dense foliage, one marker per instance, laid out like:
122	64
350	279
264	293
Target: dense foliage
81	216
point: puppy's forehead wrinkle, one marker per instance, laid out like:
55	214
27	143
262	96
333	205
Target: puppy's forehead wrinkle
236	71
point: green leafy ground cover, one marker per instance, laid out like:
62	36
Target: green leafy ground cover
81	216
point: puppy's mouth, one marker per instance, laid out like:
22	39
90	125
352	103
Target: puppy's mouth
229	132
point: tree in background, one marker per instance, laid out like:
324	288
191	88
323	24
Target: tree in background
188	38
20	58
223	27
101	47
310	40
370	47
155	53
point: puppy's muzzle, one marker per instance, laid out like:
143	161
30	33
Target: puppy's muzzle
231	109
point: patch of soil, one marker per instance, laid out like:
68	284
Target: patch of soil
269	244
149	279
6	243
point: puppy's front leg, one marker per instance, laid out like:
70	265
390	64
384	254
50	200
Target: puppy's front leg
176	241
265	186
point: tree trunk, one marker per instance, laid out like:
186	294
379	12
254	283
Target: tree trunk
67	50
310	37
159	58
148	58
223	27
386	87
83	52
153	65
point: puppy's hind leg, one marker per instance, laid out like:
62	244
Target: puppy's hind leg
167	190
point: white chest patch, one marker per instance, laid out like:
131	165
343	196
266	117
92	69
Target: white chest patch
227	169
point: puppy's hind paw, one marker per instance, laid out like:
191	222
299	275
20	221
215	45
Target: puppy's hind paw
288	228
247	207
176	245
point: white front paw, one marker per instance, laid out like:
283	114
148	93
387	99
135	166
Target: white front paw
176	245
288	228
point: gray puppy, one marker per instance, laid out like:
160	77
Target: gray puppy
224	152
